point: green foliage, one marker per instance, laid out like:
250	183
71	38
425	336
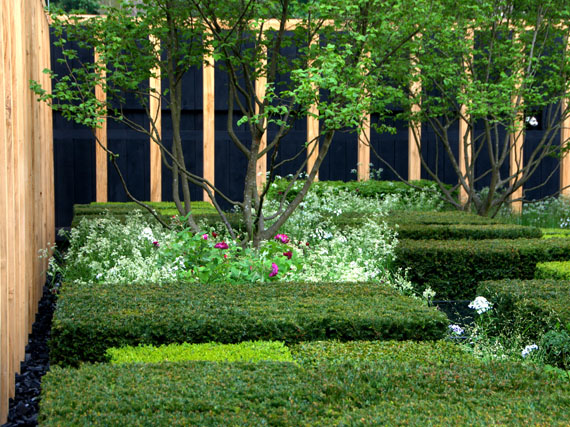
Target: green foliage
406	384
555	347
248	351
77	6
370	188
466	231
552	213
90	319
453	268
528	307
559	270
449	218
166	210
198	257
548	233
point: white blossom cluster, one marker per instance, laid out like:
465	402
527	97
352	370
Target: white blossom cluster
529	349
481	305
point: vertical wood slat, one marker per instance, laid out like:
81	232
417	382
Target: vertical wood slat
313	131
101	176
156	118
565	160
209	118
26	181
363	165
261	165
414	131
465	147
516	141
5	229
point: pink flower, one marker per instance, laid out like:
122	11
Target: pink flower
288	254
205	236
225	256
274	270
156	244
283	238
221	245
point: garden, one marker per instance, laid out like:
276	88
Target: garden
264	293
333	321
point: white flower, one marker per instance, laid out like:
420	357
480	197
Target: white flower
480	304
531	120
456	329
529	349
146	233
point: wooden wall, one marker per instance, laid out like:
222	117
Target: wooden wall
26	181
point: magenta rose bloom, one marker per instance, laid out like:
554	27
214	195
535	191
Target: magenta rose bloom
205	236
283	238
221	245
274	270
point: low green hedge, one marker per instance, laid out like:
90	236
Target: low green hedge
443	218
452	268
166	210
528	308
438	388
553	270
89	319
370	188
548	233
466	231
248	351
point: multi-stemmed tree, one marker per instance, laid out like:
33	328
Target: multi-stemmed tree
490	65
350	50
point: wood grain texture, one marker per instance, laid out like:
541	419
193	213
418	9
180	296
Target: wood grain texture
465	143
313	131
209	113
101	173
363	164
156	128
414	132
26	181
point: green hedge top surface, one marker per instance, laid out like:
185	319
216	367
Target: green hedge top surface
466	231
415	385
549	233
559	270
452	268
166	210
370	188
445	217
89	319
530	307
248	351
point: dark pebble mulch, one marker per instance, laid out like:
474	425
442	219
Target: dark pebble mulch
24	406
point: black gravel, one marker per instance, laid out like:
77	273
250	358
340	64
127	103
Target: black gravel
24	406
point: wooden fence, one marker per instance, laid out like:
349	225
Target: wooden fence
26	181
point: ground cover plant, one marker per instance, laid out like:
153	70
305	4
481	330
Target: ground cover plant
331	383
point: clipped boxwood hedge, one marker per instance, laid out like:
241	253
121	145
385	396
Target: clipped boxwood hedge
395	388
247	351
444	218
166	210
370	188
528	307
452	268
89	319
553	270
466	231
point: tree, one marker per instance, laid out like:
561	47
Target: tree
490	65
237	33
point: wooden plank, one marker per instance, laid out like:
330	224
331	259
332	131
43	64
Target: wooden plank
465	142
313	130
101	175
516	141
414	140
565	160
363	165
4	228
156	118
261	165
209	118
